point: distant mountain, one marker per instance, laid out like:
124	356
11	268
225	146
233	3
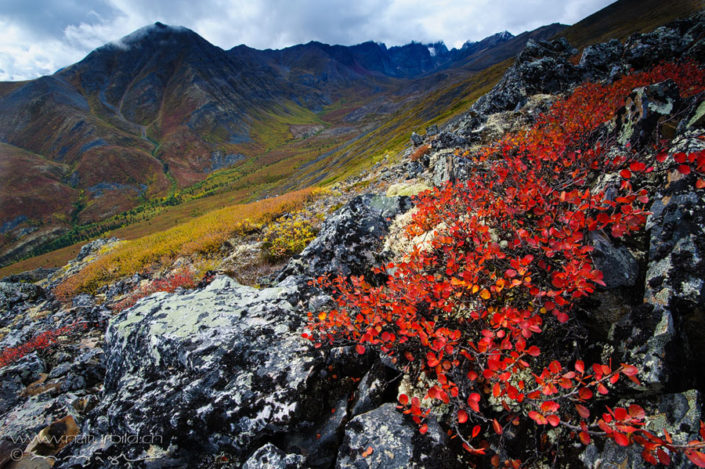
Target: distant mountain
163	109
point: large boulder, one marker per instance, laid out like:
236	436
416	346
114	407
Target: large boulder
200	373
350	240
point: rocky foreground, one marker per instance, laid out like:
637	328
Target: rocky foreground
220	375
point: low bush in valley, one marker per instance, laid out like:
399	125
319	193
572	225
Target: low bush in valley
508	260
289	235
201	236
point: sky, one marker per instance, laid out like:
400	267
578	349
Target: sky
38	37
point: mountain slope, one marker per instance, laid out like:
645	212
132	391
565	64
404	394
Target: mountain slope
149	116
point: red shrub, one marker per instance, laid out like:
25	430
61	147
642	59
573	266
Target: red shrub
39	342
178	279
420	152
514	247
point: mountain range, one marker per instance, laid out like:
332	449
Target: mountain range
162	109
162	117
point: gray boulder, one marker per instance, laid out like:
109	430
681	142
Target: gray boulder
350	240
395	442
640	122
206	371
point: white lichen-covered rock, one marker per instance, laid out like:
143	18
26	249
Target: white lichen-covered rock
204	371
384	437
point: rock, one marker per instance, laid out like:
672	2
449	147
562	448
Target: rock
372	388
14	378
30	276
206	371
93	247
696	118
447	167
416	139
542	67
54	437
432	130
350	240
679	414
13	293
448	140
395	442
9	452
271	457
618	265
28	418
415	168
640	122
597	60
645	50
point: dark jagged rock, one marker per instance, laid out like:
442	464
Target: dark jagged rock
640	122
416	139
448	140
349	240
395	442
542	67
13	293
448	167
618	265
597	60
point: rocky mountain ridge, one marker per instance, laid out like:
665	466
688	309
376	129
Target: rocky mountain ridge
162	109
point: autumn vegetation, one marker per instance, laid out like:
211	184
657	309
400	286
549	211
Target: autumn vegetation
40	342
508	260
200	237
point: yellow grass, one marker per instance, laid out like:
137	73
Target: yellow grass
201	235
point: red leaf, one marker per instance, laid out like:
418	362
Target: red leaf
584	438
423	429
684	169
625	173
620	413
696	457
621	439
700	183
360	349
580	366
497	427
636	412
462	416
534	351
661	157
679	158
476	430
637	166
553	419
629	370
550	406
582	411
403	399
663	457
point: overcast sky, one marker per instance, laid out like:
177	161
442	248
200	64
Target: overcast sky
37	37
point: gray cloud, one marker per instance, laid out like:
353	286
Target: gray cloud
40	36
